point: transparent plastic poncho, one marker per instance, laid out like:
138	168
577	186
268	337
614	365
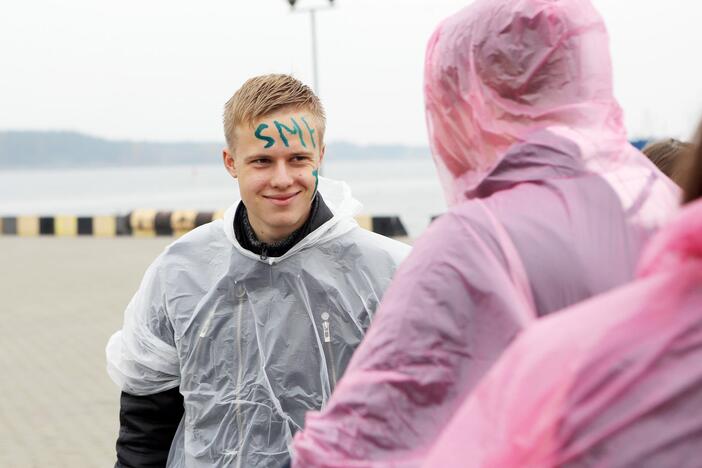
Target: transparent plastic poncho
253	343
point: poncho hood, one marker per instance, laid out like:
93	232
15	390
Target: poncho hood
500	71
337	195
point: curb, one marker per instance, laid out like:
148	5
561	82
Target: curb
150	223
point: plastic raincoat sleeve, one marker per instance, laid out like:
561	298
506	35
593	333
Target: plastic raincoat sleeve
142	358
450	311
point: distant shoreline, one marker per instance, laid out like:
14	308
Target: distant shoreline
28	150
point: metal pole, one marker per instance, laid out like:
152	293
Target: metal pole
315	77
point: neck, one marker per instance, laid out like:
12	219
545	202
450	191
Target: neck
276	245
271	237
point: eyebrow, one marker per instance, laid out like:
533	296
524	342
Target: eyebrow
303	153
257	156
269	156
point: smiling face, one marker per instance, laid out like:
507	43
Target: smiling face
276	161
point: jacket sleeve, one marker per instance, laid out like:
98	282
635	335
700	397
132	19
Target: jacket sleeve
449	313
147	426
142	360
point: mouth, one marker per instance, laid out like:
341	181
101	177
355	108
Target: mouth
282	199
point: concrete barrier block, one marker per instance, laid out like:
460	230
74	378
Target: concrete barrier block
27	226
183	221
204	217
84	225
162	223
143	223
123	227
66	225
46	226
104	226
9	225
390	226
365	221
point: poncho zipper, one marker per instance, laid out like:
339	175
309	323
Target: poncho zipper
328	351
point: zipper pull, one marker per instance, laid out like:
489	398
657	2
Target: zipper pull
325	328
264	254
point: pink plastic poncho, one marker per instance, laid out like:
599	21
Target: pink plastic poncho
550	206
615	381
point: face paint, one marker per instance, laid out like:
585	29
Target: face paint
315	173
311	130
296	130
283	129
259	134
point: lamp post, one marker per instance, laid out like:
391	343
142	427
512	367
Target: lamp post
313	25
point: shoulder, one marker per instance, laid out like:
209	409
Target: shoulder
461	233
196	248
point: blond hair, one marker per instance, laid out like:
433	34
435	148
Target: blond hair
263	95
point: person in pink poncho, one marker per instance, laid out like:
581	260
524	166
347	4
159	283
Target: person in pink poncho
615	381
549	205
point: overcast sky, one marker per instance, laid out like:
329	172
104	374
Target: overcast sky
162	69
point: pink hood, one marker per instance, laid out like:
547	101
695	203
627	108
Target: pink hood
500	70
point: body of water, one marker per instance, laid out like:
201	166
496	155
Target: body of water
407	188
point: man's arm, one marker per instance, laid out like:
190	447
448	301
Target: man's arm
147	426
142	360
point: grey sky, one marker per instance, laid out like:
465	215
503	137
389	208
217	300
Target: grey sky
162	69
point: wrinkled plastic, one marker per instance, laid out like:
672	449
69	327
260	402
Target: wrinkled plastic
499	69
253	343
550	206
615	382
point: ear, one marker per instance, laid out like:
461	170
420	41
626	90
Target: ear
228	159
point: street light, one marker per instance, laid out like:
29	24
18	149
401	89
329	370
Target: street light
313	26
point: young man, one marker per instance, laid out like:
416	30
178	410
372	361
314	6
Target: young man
248	322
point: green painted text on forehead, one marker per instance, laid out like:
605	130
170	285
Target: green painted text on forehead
286	130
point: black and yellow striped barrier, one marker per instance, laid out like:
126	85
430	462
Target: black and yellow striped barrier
150	223
64	226
389	226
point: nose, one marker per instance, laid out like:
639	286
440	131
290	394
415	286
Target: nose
281	178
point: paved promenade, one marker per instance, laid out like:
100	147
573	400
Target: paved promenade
61	300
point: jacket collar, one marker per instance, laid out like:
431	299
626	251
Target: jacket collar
338	198
318	215
545	155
